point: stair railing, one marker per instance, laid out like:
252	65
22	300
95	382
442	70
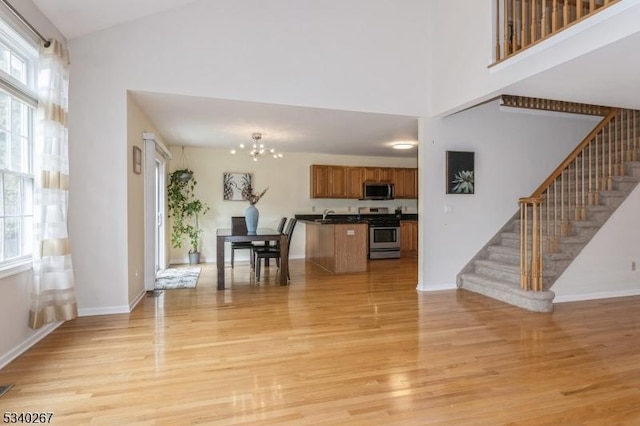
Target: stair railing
547	214
522	23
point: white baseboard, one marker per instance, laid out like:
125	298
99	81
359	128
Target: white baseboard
40	334
595	296
137	300
437	287
107	310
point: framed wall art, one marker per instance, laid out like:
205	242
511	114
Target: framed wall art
460	172
233	184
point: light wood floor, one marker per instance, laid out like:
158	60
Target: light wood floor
365	349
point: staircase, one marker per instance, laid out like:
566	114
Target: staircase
520	264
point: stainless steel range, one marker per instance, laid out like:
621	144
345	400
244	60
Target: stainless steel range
384	232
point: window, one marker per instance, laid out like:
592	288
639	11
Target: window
18	59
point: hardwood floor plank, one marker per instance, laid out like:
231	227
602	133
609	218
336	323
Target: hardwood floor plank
363	348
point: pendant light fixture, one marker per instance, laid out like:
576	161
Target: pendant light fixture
257	148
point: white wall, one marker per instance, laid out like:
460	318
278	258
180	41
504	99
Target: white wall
514	152
288	180
354	55
603	268
15	335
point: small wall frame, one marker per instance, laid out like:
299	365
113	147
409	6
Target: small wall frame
233	184
137	160
460	173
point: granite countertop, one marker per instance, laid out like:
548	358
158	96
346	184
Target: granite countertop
347	218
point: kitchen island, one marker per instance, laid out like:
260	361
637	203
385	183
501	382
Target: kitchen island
337	246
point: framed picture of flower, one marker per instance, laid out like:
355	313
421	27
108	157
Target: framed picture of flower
460	172
233	185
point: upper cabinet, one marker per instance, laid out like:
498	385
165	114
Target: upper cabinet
346	181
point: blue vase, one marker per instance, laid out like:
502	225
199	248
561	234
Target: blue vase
251	215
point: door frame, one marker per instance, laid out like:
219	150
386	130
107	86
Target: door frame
154	153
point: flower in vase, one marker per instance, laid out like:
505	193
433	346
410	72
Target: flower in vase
250	196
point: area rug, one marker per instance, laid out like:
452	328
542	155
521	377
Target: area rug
172	278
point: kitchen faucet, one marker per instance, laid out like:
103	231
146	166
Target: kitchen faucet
325	213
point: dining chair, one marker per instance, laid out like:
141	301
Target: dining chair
239	227
272	252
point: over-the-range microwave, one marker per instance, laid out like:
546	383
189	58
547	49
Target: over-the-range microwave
377	191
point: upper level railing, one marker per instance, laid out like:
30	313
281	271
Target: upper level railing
522	23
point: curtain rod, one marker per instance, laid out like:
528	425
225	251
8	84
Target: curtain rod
22	19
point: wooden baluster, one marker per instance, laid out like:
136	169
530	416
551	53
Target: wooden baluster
524	22
577	189
498	18
554	16
544	28
592	6
610	157
591	194
524	264
635	136
536	256
515	30
547	223
617	146
596	196
556	229
583	204
506	47
629	138
578	9
565	14
534	20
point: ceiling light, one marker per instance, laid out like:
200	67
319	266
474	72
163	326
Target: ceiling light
257	149
402	145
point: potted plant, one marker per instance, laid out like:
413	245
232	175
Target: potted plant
185	210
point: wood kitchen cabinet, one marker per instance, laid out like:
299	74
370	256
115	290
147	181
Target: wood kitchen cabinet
328	181
405	182
346	181
408	238
355	177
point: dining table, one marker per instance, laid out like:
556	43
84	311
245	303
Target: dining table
224	235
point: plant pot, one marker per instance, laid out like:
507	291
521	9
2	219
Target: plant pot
194	258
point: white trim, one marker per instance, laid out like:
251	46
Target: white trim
146	136
107	310
545	113
137	300
595	296
16	268
38	335
439	287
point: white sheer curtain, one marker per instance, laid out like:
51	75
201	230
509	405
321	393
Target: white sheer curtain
52	296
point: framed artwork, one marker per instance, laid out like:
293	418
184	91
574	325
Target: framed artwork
137	160
460	172
233	184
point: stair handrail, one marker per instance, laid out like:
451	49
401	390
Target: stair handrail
548	215
574	154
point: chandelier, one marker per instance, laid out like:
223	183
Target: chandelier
257	149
